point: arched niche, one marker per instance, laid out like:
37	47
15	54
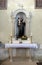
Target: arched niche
27	18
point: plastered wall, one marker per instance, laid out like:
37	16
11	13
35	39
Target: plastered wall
6	22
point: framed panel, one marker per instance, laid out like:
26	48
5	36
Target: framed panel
3	4
38	3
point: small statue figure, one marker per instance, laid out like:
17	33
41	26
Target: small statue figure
21	27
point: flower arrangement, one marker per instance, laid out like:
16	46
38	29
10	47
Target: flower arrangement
24	37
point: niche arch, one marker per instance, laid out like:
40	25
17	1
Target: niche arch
21	15
26	15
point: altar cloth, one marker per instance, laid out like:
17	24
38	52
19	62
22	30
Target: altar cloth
21	45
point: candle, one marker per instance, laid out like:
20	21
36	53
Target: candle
31	34
11	35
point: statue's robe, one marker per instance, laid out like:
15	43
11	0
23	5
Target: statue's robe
21	29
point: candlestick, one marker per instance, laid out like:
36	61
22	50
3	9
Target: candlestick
31	37
11	38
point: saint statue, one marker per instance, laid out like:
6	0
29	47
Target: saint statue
21	27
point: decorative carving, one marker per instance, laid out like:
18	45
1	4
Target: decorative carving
27	20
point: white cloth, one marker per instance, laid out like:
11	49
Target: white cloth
21	45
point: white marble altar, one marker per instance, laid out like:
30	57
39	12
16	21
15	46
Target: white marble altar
20	49
21	45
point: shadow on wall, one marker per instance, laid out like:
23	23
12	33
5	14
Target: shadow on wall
2	45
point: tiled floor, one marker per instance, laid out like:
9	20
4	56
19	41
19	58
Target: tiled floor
19	62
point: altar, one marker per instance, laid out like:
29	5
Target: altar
20	49
21	36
